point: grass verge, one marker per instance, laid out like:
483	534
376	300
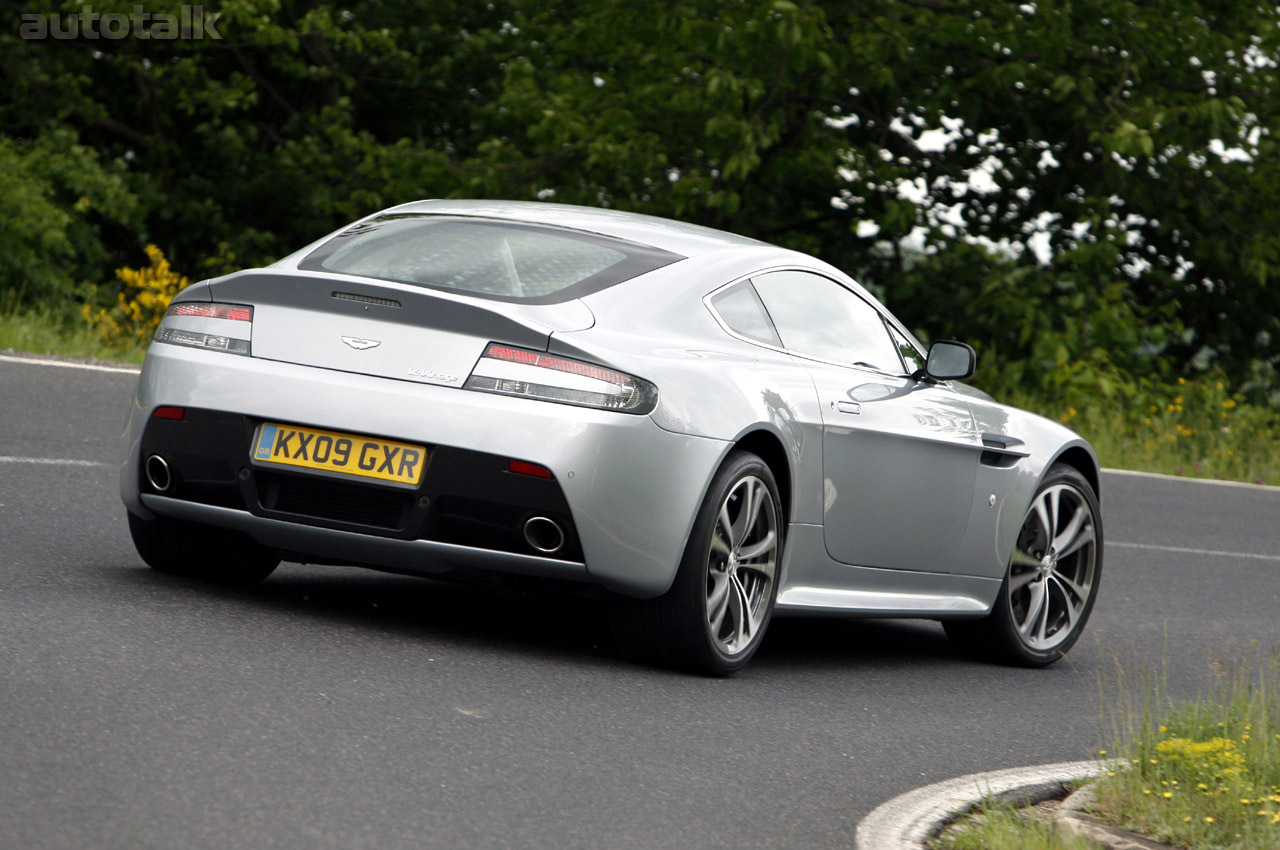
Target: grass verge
1001	825
1205	774
59	331
1202	774
1198	429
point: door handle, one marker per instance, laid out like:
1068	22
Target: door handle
848	407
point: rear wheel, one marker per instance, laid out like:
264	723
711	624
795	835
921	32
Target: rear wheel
1052	581
714	617
197	551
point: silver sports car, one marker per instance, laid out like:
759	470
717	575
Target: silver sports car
711	429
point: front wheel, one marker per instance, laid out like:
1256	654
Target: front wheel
714	617
1052	580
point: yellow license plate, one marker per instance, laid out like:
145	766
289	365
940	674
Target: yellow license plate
333	451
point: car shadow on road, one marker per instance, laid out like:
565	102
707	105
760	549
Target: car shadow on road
532	619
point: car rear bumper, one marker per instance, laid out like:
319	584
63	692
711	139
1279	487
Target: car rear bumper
626	490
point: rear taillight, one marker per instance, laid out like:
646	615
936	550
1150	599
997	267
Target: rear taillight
212	327
234	312
547	377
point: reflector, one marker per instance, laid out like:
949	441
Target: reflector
169	413
525	468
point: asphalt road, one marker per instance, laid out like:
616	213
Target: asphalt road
331	707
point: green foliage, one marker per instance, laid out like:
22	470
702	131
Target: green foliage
55	329
1123	222
146	293
1205	774
56	201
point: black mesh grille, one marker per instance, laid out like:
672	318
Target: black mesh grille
334	500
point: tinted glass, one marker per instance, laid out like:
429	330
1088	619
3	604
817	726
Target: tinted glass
507	260
742	311
815	315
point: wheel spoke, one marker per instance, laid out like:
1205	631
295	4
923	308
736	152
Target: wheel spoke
1035	606
746	512
1082	593
766	569
725	522
1084	536
1046	599
740	611
1046	518
718	602
757	549
1017	581
757	496
1073	609
1068	535
718	543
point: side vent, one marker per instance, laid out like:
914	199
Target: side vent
999	450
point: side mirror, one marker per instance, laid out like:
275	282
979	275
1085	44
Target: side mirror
950	360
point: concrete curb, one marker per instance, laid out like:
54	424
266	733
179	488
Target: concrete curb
906	822
909	821
1072	820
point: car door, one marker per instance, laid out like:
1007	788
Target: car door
899	456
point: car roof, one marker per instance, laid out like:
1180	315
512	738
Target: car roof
675	236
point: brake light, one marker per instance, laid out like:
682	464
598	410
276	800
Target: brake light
547	377
185	323
234	312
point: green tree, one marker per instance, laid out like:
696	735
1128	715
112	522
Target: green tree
1087	181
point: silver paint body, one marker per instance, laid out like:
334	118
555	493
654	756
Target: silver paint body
892	511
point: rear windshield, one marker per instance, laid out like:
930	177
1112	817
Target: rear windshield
487	257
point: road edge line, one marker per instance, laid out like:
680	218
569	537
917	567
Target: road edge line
1134	473
70	364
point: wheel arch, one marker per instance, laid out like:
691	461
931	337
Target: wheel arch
1083	461
769	448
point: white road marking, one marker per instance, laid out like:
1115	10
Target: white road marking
52	461
1220	553
1136	474
907	821
71	364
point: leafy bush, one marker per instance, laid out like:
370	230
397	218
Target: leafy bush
133	319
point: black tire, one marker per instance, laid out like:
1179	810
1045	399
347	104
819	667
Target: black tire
717	610
196	551
1047	595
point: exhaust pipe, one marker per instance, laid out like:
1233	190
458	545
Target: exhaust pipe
544	535
159	474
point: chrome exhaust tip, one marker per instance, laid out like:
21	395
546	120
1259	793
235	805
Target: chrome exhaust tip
544	534
158	473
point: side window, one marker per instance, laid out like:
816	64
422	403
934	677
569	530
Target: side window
740	308
910	354
815	315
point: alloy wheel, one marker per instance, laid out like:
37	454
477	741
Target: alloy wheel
741	565
1054	567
